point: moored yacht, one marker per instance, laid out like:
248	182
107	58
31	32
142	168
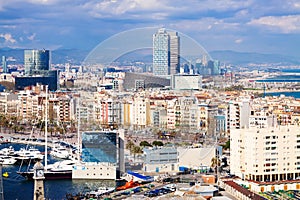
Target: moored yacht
57	170
60	152
28	154
8	151
100	191
65	165
7	160
54	171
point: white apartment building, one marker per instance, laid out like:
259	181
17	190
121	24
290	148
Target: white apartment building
141	112
203	116
171	118
9	104
238	114
29	106
262	119
265	154
188	112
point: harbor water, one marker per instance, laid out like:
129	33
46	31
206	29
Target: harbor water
15	187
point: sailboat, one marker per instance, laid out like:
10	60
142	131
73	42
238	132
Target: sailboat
58	170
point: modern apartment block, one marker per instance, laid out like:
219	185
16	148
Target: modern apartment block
265	154
238	114
141	112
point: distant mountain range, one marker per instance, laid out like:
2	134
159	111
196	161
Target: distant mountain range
75	56
60	56
245	58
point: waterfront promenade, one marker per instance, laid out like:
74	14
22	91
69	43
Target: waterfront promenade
35	138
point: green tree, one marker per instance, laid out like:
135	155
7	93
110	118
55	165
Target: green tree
145	144
157	143
136	150
227	145
129	145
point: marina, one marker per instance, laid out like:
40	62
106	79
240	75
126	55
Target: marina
53	187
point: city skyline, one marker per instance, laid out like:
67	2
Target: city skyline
245	26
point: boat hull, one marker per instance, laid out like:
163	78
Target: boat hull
49	175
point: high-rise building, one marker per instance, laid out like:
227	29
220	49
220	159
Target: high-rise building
36	60
166	54
37	70
174	52
4	65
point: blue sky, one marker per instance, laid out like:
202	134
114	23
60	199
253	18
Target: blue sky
271	26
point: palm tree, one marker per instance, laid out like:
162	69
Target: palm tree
297	121
136	150
2	120
129	145
215	163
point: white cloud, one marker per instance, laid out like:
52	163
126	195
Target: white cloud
204	24
31	37
283	24
238	41
297	5
8	26
8	38
132	8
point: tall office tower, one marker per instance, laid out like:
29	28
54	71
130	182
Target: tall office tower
161	59
204	60
165	53
174	52
36	60
37	70
4	65
216	68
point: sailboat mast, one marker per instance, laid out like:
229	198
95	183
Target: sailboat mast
46	127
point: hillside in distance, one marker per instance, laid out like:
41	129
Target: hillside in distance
59	56
246	58
76	57
225	57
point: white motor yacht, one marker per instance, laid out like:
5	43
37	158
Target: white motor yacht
8	151
7	160
101	191
26	154
60	152
65	165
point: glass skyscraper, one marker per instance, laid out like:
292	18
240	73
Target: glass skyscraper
4	65
165	53
174	52
99	146
36	60
37	70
